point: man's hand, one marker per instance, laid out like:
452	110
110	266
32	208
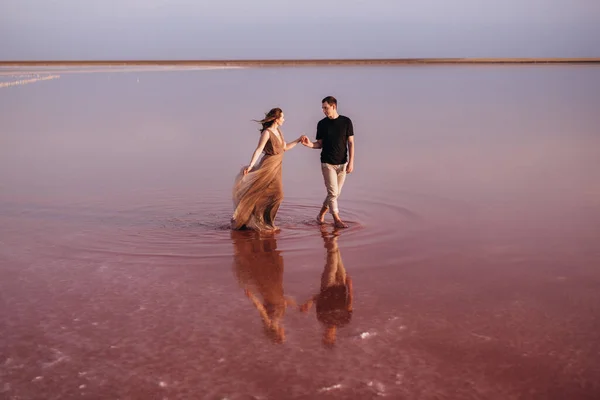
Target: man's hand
350	167
304	140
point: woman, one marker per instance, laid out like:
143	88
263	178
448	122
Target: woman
258	190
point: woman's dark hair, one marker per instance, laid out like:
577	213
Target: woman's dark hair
269	118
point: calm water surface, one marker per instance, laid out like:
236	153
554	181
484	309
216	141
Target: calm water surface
474	214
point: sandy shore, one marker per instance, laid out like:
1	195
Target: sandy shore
305	62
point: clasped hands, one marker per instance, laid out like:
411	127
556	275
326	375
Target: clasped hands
304	140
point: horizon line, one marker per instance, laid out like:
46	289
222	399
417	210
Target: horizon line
309	61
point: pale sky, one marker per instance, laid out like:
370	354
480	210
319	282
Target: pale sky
234	29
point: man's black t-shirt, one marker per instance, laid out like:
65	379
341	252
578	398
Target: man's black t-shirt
333	306
334	134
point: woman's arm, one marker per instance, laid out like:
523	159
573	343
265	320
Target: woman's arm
290	302
290	145
258	305
264	137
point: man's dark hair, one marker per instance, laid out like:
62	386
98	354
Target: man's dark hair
330	100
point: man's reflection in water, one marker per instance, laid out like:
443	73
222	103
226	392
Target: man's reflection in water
258	267
334	300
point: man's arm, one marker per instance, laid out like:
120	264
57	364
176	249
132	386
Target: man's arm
350	136
350	166
350	292
318	143
313	145
306	306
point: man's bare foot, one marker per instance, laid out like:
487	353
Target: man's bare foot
321	216
340	224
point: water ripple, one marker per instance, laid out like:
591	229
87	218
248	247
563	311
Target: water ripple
180	229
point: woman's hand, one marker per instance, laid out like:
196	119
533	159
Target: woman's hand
305	307
247	169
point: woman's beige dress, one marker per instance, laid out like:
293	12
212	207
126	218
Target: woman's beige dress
258	195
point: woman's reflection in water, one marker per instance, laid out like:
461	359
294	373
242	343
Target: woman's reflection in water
334	300
258	267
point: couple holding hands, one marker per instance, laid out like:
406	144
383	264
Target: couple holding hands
258	189
259	268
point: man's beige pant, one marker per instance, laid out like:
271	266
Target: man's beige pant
334	272
334	177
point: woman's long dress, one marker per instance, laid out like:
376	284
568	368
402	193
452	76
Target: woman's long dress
258	195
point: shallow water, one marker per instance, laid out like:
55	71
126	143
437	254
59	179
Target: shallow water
474	215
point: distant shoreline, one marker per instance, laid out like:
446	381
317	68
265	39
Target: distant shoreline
301	62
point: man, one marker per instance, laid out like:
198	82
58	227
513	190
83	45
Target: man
334	300
335	138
